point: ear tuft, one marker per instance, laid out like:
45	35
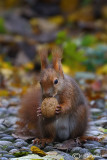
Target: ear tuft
43	53
57	53
57	56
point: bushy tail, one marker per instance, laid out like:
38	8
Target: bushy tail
28	120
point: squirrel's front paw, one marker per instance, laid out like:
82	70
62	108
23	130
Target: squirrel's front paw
39	113
42	142
58	110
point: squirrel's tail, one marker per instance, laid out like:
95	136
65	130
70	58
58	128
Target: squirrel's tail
28	121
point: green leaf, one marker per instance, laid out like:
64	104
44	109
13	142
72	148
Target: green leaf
2	26
61	37
88	40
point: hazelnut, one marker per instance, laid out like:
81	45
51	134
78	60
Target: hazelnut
48	107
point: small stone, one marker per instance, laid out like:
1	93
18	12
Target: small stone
2	127
95	133
97	157
3	111
3	158
12	151
10	138
10	148
14	101
4	135
76	149
5	103
86	155
95	110
20	144
97	151
65	155
100	121
6	123
19	140
3	152
79	150
5	143
10	130
90	146
95	143
83	151
12	120
13	110
48	148
25	148
100	103
8	156
105	146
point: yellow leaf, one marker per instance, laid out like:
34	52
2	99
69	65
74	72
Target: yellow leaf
29	66
102	70
69	5
102	137
38	151
83	14
90	157
4	92
72	71
34	21
66	69
57	20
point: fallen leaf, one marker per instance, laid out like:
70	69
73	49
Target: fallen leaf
38	151
66	145
102	129
102	70
4	92
90	157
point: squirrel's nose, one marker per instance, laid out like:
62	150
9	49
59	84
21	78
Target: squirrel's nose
46	95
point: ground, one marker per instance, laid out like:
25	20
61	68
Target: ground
95	148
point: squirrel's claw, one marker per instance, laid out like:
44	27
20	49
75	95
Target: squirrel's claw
42	142
58	110
39	113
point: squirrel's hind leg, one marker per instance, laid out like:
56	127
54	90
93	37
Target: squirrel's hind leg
78	121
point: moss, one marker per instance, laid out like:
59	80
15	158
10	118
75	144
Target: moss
22	153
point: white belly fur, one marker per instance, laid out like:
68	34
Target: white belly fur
62	127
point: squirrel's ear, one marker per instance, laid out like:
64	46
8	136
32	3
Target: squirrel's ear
57	56
43	53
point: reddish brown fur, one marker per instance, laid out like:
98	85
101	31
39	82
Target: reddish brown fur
72	121
43	53
57	56
28	123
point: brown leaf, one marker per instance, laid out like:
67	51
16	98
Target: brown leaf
22	136
66	145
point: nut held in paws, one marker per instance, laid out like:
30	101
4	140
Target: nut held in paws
48	107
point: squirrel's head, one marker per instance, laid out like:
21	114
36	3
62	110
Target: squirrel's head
52	78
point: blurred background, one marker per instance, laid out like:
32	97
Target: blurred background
78	26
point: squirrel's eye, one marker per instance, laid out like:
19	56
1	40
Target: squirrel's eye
55	81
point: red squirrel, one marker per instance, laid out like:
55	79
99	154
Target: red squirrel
70	120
